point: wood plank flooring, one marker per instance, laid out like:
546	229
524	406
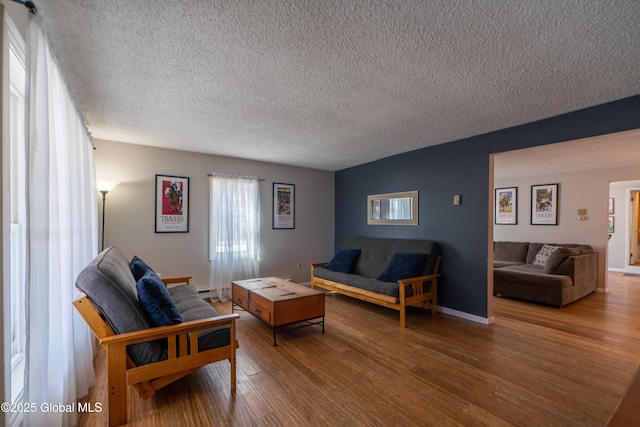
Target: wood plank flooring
536	366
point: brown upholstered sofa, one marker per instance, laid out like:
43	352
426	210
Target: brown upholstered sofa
538	272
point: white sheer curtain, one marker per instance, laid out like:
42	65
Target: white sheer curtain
234	231
62	239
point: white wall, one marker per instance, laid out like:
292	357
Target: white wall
129	221
583	189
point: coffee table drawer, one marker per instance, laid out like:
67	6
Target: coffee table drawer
240	295
260	312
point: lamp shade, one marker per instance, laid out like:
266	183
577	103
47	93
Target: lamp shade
105	185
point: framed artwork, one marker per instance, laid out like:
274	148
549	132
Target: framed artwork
284	198
611	212
544	204
172	204
506	205
612	227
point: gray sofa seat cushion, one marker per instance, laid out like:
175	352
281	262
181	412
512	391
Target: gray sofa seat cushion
192	307
510	251
362	282
528	274
109	285
500	263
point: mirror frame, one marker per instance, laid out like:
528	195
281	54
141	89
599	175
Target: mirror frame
386	196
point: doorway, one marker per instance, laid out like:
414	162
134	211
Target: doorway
624	223
633	232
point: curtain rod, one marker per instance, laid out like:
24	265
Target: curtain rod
218	174
31	6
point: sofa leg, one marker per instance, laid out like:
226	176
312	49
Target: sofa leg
233	344
117	380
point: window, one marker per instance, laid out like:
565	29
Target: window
17	209
234	238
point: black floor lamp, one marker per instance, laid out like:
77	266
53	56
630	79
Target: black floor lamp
104	186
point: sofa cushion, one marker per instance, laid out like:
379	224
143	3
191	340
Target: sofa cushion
499	263
543	255
528	274
156	302
403	265
584	249
362	282
193	307
558	257
138	268
377	252
510	251
109	285
343	260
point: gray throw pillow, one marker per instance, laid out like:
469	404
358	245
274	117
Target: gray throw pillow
543	255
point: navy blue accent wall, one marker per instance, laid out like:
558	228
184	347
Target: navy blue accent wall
460	167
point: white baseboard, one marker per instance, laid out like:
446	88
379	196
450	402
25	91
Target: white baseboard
467	316
617	270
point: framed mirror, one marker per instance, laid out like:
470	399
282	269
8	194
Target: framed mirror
393	208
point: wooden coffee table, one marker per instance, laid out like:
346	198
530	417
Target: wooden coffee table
279	302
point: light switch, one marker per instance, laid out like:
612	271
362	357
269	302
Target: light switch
456	199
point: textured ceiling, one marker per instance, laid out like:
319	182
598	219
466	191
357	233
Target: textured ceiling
330	84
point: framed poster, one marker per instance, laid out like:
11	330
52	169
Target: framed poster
284	197
506	205
544	204
172	204
612	227
611	212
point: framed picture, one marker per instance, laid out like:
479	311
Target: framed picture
612	227
506	205
172	204
544	204
611	212
284	198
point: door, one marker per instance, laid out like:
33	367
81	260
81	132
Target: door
633	230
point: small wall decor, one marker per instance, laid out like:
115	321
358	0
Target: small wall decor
612	227
172	204
506	205
284	197
544	204
611	212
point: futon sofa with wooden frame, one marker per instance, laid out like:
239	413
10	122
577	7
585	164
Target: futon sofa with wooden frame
375	256
146	357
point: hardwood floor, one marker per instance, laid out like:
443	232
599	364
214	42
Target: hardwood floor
536	366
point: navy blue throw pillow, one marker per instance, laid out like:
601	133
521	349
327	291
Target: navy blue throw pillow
403	265
156	302
138	268
343	260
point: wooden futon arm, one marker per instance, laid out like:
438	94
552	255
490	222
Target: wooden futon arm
417	280
170	332
172	280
